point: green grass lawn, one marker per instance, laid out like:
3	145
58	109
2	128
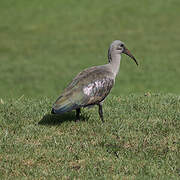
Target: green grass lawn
44	44
139	140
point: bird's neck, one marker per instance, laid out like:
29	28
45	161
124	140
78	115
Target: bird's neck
115	63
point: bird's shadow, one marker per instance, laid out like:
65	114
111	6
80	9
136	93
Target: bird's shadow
58	119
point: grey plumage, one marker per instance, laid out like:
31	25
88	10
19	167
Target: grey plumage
91	86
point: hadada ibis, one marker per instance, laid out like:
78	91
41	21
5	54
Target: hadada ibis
91	86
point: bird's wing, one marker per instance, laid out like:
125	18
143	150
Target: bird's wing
89	87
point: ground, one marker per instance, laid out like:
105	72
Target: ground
139	139
43	45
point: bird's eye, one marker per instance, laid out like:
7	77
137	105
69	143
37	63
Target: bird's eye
120	47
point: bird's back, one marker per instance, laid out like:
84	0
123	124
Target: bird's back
89	87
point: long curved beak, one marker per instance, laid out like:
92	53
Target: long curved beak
127	52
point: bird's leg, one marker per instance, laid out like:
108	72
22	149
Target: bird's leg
101	112
78	111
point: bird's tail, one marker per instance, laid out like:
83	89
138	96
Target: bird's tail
63	105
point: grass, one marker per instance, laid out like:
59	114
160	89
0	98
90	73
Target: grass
45	44
139	140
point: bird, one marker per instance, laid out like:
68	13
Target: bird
91	86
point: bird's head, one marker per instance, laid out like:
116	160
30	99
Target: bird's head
118	47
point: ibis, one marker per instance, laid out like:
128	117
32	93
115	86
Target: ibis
91	86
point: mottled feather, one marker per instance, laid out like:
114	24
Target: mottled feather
89	87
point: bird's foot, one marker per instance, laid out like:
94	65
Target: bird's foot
102	119
78	111
52	111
